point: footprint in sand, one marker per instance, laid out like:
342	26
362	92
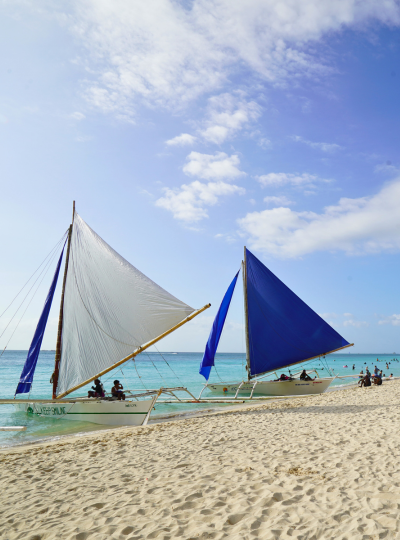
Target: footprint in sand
234	518
127	530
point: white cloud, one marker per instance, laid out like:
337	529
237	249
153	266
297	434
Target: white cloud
264	143
282	200
356	324
355	226
387	168
145	192
394	320
189	202
281	179
227	114
325	147
227	237
168	52
328	315
77	116
216	166
83	138
184	139
352	321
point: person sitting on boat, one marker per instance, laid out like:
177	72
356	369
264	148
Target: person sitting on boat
97	389
365	381
305	377
117	391
284	377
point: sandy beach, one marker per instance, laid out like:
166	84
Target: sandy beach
318	467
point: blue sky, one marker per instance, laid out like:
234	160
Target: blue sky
185	130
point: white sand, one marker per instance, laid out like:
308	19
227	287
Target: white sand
316	468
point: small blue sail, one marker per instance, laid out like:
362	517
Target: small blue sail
216	331
28	371
283	330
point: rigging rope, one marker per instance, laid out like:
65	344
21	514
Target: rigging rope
137	372
158	371
54	248
169	366
43	272
29	303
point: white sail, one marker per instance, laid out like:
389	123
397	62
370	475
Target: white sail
110	308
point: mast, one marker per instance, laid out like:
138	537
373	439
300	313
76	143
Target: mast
57	359
136	352
246	314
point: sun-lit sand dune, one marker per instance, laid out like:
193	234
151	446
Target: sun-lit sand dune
309	468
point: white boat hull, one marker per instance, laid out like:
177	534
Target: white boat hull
272	388
112	413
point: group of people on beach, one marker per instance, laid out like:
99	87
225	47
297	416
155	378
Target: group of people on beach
368	379
98	391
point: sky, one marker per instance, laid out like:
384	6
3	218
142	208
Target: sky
185	130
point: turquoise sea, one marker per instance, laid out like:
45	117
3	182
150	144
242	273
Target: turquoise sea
152	370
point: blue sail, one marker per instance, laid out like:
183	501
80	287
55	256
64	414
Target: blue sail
216	331
28	371
283	330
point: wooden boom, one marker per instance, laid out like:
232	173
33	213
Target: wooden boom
136	352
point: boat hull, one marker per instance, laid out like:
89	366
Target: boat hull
272	388
112	413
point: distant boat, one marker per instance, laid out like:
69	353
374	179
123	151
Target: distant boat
281	331
109	313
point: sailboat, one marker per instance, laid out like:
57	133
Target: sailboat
109	313
281	331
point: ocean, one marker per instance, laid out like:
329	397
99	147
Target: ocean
151	370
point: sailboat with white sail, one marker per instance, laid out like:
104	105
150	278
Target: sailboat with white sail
281	331
110	312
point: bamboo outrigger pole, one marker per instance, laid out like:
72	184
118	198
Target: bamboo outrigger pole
136	352
60	317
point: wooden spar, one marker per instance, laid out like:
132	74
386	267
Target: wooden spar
246	314
60	317
308	359
136	352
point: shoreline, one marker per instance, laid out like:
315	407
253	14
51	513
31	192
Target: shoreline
171	417
163	418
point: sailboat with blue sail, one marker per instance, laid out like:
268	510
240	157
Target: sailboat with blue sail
281	331
110	312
